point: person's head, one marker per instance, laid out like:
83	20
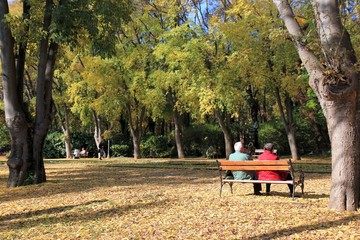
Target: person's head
269	146
238	146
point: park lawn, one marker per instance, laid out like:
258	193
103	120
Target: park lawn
164	199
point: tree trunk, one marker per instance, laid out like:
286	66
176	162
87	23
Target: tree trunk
19	161
336	84
264	112
97	134
178	134
44	103
67	141
343	131
227	134
136	129
254	112
26	154
288	122
65	129
136	145
171	97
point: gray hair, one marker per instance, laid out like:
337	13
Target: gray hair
269	146
238	146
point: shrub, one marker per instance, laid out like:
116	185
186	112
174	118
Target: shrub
199	138
156	146
4	139
119	150
54	146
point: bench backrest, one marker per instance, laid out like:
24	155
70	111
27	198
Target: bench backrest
272	165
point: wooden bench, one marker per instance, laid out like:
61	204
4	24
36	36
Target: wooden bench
272	165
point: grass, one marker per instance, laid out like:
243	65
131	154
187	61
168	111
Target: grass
166	199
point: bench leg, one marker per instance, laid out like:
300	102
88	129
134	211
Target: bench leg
302	190
221	186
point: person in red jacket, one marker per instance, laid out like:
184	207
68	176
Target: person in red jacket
272	175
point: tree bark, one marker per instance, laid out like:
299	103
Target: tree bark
254	112
15	116
136	129
178	134
176	117
227	134
97	134
288	122
44	103
64	120
26	160
336	84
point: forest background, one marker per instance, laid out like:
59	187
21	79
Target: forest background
174	79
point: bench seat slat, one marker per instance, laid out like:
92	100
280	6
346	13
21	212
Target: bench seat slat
248	168
255	163
258	181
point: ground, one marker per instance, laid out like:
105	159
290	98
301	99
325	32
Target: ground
163	199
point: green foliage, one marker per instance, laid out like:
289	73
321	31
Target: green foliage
198	138
4	138
157	146
119	150
311	132
30	179
274	132
54	146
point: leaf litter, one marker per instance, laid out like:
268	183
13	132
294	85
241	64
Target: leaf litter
96	201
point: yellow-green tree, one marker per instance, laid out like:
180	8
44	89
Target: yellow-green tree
40	29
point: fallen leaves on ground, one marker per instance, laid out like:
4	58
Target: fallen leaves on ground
92	201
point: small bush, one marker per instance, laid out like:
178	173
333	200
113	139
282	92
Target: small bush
199	138
119	150
54	146
156	146
4	139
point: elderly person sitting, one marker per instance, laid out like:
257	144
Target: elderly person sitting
244	175
272	175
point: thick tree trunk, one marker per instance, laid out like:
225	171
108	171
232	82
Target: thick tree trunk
343	130
23	150
227	134
178	134
336	84
19	161
44	104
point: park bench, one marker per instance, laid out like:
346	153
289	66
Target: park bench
272	165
